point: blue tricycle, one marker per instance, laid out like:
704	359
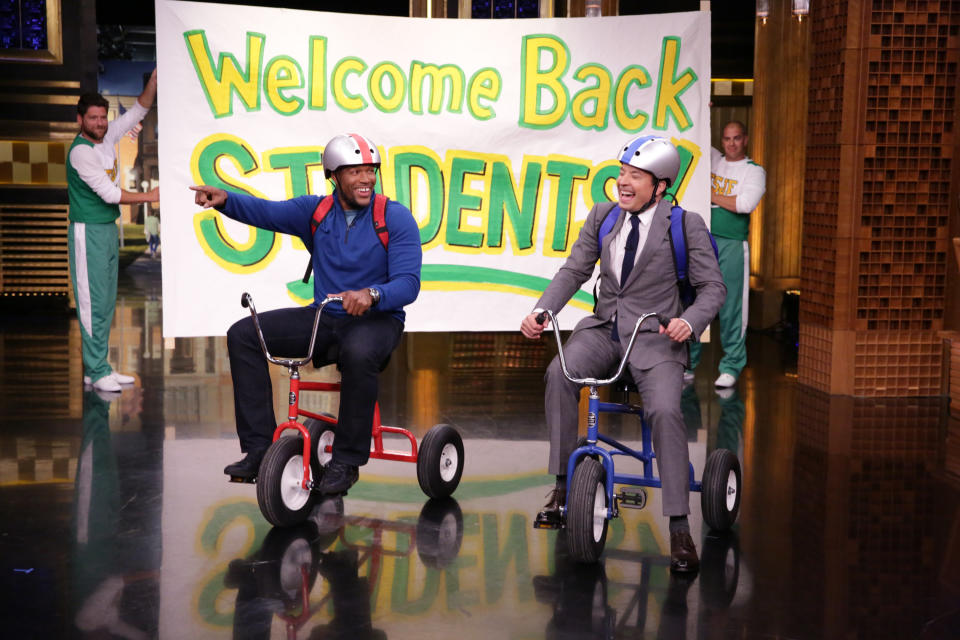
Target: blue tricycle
591	475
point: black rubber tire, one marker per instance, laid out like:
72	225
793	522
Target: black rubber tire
720	494
281	502
284	551
319	430
586	534
440	461
719	569
439	532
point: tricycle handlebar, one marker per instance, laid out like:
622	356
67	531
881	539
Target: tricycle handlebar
246	300
623	362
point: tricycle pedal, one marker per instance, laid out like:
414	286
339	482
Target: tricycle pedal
243	479
632	500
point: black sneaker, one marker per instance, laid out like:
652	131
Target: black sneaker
550	517
245	470
338	477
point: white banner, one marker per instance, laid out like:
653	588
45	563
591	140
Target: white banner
498	134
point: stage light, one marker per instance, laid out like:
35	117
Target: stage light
801	8
763	10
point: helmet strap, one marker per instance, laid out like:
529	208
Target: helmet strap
653	195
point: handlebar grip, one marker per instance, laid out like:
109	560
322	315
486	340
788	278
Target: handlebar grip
541	317
244	299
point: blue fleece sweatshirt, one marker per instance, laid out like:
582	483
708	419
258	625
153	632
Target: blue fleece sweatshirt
345	258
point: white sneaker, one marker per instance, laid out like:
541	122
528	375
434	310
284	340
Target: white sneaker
119	377
725	380
107	383
122	378
688	378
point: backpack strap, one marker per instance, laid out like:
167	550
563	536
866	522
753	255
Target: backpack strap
681	259
379	222
323	208
678	241
607	225
380	218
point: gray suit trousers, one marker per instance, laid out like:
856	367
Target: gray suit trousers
591	353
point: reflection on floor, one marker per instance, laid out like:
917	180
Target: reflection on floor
115	519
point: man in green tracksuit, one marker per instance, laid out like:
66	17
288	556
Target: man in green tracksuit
93	185
737	184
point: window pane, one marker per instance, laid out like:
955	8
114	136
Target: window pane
10	24
34	21
528	8
480	9
23	24
503	9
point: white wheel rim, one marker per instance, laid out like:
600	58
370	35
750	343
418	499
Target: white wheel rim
293	495
448	462
326	440
599	511
731	490
294	557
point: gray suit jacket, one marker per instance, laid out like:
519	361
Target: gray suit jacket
651	287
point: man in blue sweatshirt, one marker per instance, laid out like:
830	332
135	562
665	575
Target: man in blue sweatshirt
376	279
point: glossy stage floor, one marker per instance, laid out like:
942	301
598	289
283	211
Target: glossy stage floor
116	521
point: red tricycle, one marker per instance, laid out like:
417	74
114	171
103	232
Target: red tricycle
291	469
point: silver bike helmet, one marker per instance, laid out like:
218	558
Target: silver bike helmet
348	150
657	156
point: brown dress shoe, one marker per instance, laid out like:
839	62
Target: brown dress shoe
683	552
550	517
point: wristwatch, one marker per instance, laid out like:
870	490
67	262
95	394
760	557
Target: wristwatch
375	294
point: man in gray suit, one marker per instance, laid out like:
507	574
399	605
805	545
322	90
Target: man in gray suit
637	276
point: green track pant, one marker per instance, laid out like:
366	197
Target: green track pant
94	251
734	265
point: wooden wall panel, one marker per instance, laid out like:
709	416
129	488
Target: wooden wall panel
778	144
880	180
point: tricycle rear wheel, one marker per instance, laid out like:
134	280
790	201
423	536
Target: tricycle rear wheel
440	461
321	436
720	493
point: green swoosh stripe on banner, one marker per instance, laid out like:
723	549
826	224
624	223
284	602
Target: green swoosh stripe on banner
394	492
465	276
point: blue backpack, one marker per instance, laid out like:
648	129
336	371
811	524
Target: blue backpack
678	235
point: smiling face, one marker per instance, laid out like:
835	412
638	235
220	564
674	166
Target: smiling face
355	185
93	124
734	142
634	187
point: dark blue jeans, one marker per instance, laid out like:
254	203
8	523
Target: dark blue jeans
362	346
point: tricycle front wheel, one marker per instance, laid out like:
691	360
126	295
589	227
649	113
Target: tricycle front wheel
280	493
587	508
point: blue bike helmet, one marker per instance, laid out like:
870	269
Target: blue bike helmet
653	154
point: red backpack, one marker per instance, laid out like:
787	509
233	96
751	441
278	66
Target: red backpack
379	222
